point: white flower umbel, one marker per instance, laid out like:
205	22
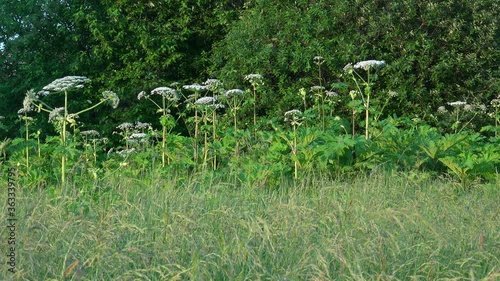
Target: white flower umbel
331	94
369	64
142	126
319	60
213	84
292	112
254	77
442	110
166	92
195	87
205	101
139	136
56	114
111	97
457	103
142	95
67	83
233	93
29	100
90	133
125	126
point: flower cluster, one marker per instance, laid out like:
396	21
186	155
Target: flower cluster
442	110
112	98
331	94
369	64
292	117
166	92
495	102
125	126
142	126
233	93
90	133
457	103
212	84
205	101
254	79
317	88
66	84
194	87
28	101
319	60
55	114
393	94
292	112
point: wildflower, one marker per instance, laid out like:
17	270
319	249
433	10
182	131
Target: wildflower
90	133
354	93
369	64
291	116
212	84
142	126
482	108
205	101
216	106
457	103
55	115
233	92
468	107
166	92
393	94
442	110
331	94
112	98
66	84
495	103
125	126
194	87
317	88
126	152
318	60
28	100
253	77
348	68
138	136
292	112
141	95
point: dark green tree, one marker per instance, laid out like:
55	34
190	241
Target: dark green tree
436	51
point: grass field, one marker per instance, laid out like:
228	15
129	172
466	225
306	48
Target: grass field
374	227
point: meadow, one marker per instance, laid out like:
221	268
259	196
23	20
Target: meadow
338	190
377	226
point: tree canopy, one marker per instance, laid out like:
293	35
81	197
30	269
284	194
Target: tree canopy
436	51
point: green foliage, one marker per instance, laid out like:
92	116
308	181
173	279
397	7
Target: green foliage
437	51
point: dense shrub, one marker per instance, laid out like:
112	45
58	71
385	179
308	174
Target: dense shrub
436	51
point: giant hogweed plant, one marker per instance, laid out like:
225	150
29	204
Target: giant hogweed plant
208	107
59	116
169	99
197	89
256	80
364	85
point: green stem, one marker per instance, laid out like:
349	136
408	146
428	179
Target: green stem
63	133
27	148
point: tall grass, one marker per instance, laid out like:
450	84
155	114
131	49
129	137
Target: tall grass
374	227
